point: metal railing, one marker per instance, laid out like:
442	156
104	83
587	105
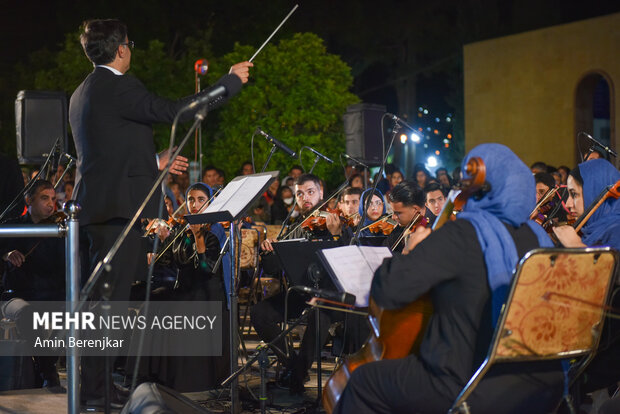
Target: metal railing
70	231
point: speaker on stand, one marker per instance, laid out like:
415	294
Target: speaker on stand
362	128
40	119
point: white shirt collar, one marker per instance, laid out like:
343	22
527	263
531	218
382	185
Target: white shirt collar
114	71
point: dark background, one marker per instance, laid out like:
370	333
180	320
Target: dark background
403	54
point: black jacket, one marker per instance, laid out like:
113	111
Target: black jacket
111	117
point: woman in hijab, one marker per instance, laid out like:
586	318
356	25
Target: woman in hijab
376	209
584	184
465	267
195	254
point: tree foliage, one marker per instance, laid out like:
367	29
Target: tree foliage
297	93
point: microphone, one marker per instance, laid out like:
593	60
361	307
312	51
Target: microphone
201	66
275	142
399	120
343	297
355	160
228	86
605	147
320	155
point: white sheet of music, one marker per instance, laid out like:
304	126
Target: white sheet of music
355	267
238	194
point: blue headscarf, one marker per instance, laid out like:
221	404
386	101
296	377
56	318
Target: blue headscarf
220	233
367	221
511	199
604	225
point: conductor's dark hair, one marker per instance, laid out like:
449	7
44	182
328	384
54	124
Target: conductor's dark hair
100	39
408	193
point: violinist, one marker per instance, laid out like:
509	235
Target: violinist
34	268
267	315
465	266
309	194
376	210
407	201
194	254
584	184
544	182
349	203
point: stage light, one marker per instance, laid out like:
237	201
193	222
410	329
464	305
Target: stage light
403	138
432	161
415	138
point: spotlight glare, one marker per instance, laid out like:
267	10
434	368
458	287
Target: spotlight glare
415	137
432	161
403	138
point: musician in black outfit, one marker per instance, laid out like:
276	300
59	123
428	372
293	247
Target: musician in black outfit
267	315
34	268
407	200
467	281
111	116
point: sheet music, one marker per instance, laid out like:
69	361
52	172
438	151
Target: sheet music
355	267
238	194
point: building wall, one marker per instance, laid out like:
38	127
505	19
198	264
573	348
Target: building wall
520	90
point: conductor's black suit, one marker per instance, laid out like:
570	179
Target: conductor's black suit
111	117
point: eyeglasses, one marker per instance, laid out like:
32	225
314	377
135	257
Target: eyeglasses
131	44
376	203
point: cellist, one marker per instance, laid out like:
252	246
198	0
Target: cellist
466	267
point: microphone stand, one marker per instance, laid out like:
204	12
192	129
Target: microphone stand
355	238
261	356
273	151
28	186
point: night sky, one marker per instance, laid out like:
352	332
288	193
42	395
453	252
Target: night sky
383	41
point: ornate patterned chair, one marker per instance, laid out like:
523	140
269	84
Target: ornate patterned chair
555	310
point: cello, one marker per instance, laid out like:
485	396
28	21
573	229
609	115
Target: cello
396	333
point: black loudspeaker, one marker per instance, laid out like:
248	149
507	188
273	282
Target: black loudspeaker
362	128
40	119
151	398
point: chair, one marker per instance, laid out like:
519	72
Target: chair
555	310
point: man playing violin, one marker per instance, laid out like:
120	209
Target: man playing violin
267	315
407	201
349	203
34	269
465	266
309	194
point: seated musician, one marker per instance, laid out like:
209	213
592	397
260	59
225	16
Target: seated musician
35	267
267	315
349	203
377	209
407	200
544	182
466	267
434	201
194	253
585	183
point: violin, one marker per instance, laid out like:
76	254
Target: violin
384	225
395	333
417	220
317	220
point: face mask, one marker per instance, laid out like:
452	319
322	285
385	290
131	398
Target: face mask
288	200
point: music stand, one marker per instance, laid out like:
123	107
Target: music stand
296	255
231	205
